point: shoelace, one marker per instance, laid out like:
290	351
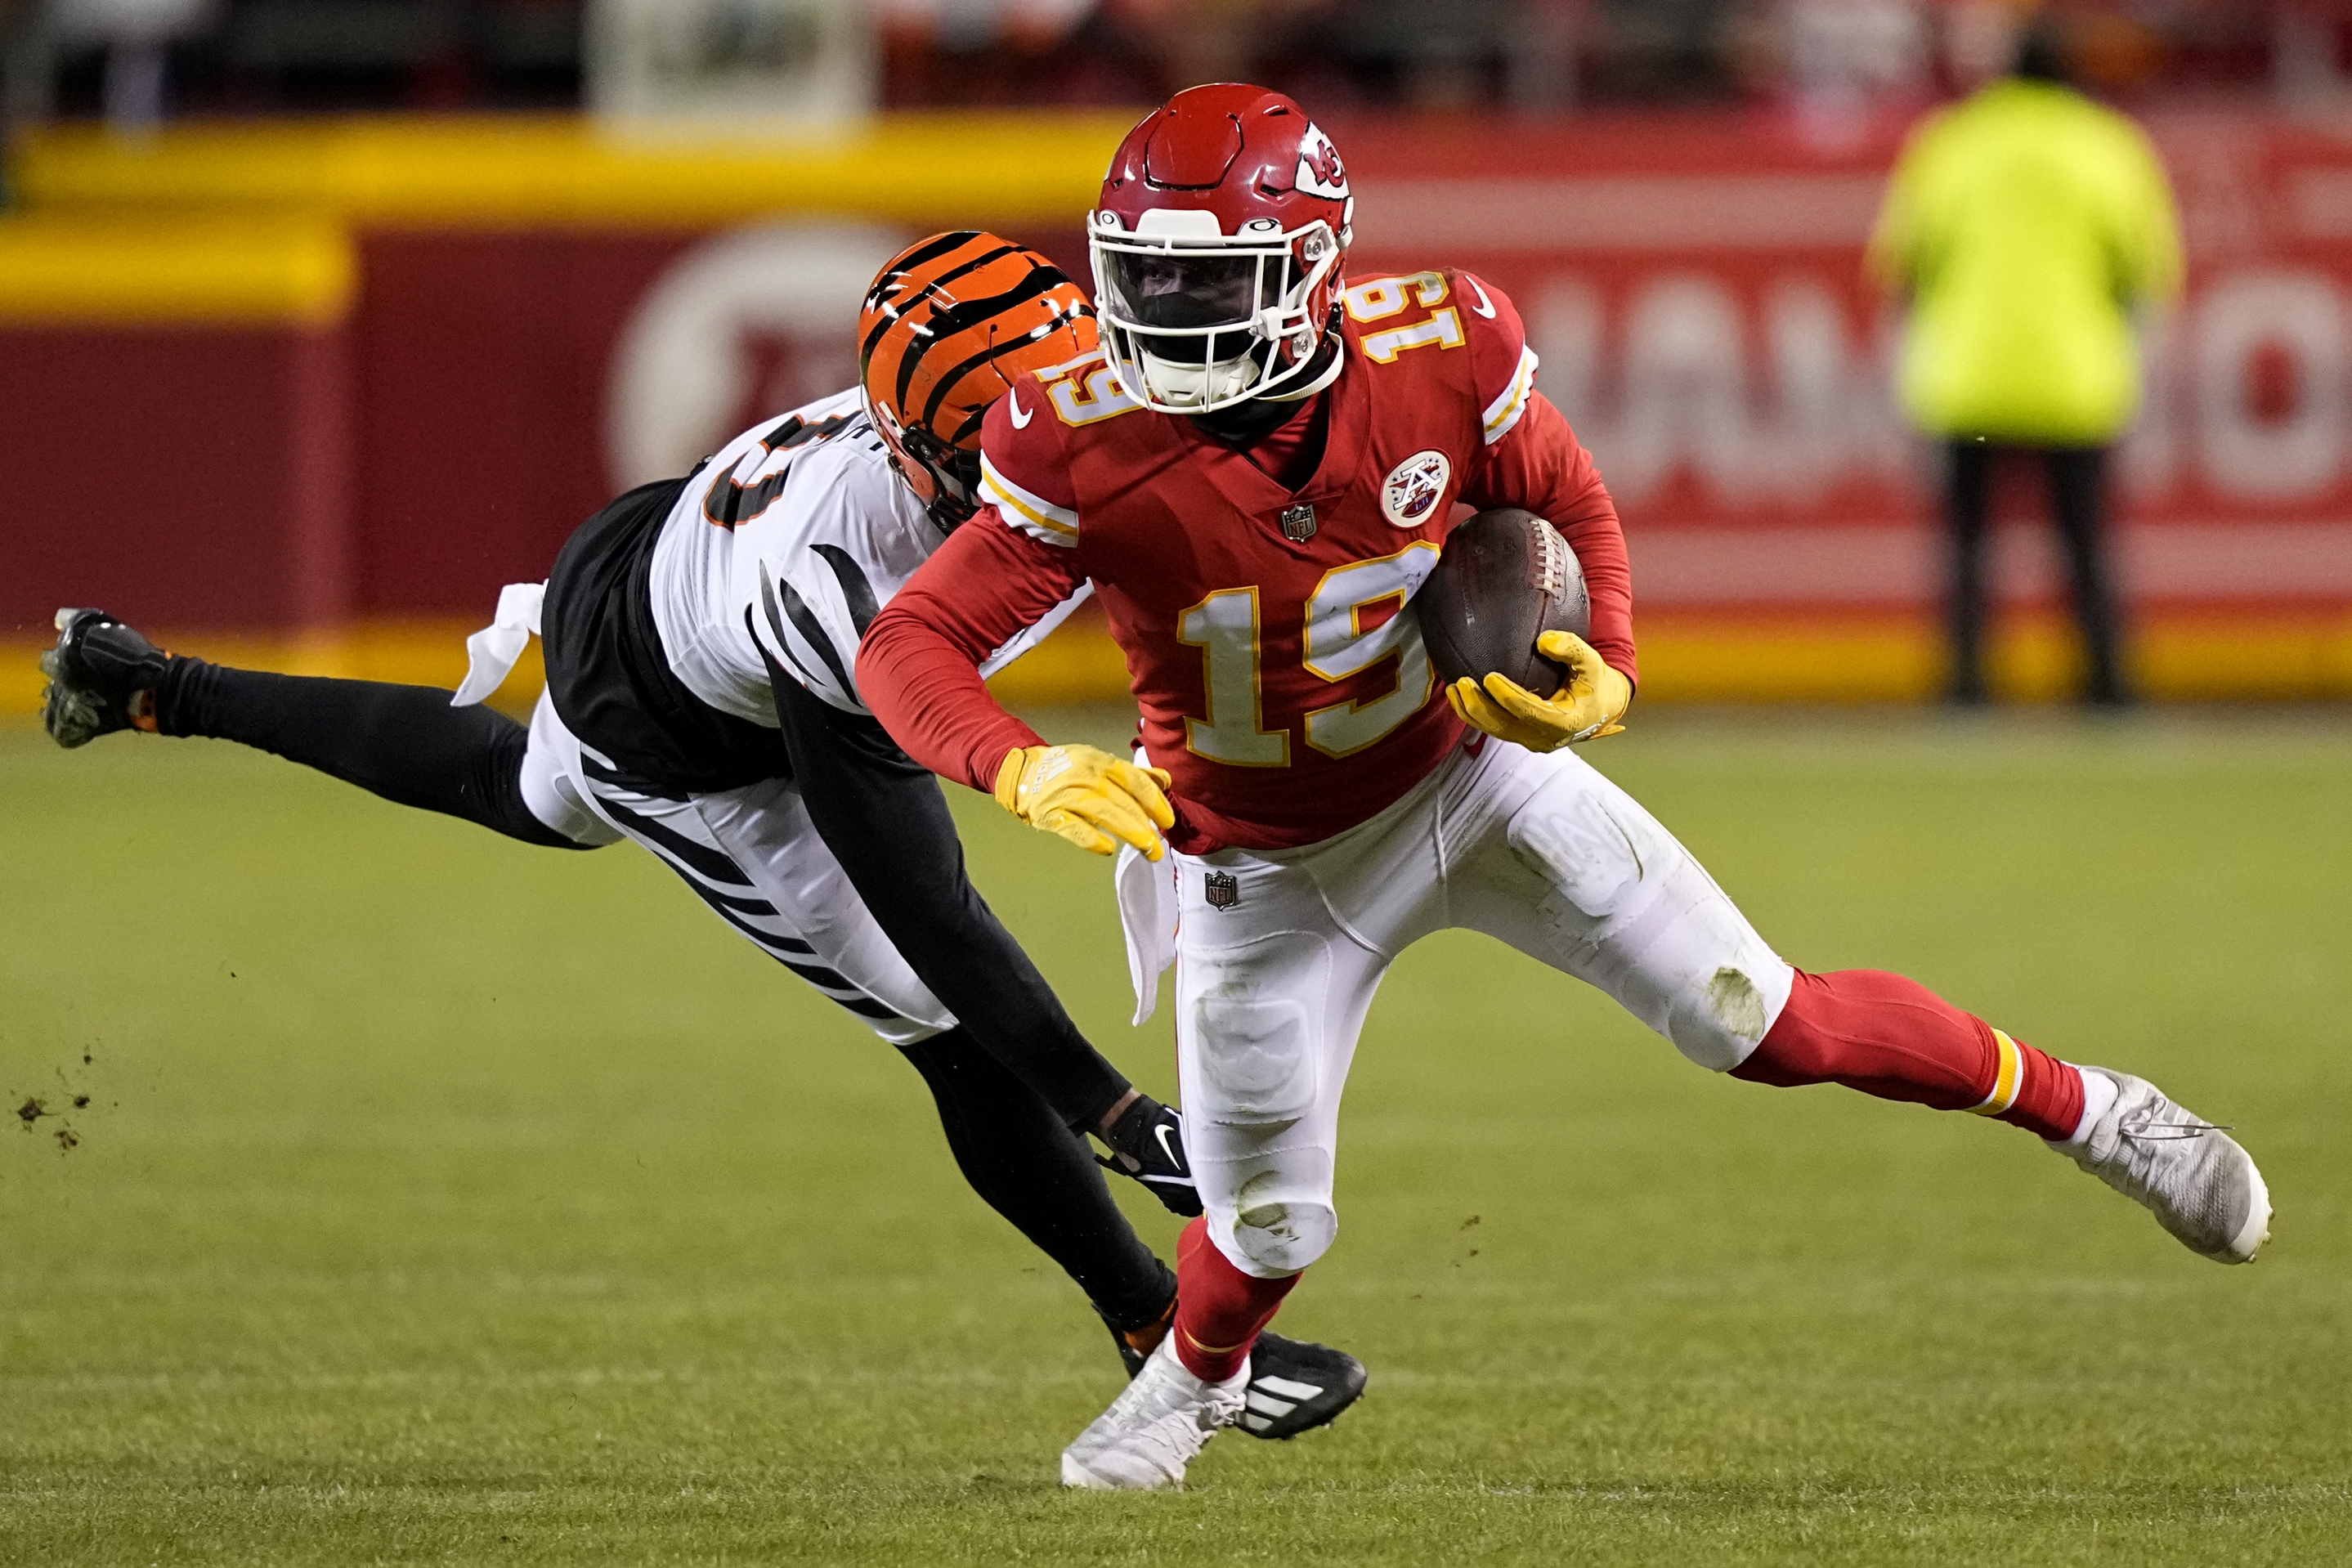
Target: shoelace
2170	1131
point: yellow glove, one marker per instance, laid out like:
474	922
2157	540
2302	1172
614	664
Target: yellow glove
1587	706
1093	799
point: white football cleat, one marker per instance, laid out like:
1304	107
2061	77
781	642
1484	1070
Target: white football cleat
1154	1429
2192	1175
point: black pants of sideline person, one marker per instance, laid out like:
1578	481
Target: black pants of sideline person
2078	504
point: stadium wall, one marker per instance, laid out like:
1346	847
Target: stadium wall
344	380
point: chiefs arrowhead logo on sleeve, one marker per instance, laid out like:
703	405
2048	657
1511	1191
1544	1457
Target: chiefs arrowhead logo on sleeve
1320	172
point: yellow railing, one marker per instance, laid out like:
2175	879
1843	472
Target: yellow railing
549	171
195	268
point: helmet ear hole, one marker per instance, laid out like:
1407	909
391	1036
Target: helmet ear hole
963	466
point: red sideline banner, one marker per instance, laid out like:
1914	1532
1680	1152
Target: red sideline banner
1693	286
1698	304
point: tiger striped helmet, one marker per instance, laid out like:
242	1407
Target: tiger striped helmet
950	324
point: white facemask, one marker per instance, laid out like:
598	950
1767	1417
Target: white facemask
1179	385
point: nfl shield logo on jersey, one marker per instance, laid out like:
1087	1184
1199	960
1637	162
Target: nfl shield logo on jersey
1223	890
1414	487
1298	523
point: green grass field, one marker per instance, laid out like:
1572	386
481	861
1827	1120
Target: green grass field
439	1199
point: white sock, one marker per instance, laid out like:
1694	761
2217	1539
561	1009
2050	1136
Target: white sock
2098	1094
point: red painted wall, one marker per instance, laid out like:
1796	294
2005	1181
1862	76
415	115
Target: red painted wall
191	476
481	363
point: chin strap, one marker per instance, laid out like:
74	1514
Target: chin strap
1246	422
1333	352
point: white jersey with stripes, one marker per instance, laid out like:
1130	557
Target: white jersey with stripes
788	541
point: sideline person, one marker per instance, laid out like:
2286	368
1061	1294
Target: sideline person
2026	226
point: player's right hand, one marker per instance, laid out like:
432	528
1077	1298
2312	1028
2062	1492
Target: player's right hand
1148	1144
1095	800
1587	705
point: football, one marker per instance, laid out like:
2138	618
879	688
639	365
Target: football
1506	577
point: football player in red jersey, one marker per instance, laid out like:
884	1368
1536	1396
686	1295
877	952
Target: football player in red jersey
1257	470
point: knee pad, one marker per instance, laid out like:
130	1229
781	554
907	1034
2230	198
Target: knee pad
1269	1234
1717	1021
545	783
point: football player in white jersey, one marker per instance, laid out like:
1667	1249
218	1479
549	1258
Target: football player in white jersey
701	638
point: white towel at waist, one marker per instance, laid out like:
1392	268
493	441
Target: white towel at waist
490	653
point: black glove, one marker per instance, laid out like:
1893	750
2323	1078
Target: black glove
1147	1143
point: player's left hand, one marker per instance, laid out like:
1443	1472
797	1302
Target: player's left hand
1089	796
1587	706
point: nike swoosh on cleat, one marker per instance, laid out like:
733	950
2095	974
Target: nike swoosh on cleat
1484	305
1021	417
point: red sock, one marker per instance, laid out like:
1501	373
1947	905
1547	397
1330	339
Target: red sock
1219	1308
1894	1038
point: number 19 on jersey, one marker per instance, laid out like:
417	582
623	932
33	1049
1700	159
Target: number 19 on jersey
1338	645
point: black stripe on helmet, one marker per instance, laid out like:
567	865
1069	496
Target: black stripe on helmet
965	314
971	264
929	250
994	351
944	321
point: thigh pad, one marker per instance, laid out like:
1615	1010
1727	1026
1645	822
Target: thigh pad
1593	859
1255	1032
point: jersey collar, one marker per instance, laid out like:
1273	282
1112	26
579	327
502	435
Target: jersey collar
1249	488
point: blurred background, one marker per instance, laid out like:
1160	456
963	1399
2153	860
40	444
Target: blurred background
320	320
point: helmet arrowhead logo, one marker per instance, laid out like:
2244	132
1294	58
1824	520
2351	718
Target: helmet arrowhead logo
1320	172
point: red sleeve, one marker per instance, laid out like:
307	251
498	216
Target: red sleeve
1023	473
1539	464
918	665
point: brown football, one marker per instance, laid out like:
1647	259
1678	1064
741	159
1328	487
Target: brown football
1506	578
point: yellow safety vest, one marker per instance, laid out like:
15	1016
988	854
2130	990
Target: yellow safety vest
2026	223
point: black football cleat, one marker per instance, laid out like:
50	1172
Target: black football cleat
102	677
1147	1145
1294	1386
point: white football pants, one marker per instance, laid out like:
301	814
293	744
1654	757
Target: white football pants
753	854
1278	953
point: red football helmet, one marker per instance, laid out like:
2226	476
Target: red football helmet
1216	250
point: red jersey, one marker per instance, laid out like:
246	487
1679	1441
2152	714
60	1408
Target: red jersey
1280	681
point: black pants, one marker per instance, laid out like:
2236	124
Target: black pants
2078	504
1005	1082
